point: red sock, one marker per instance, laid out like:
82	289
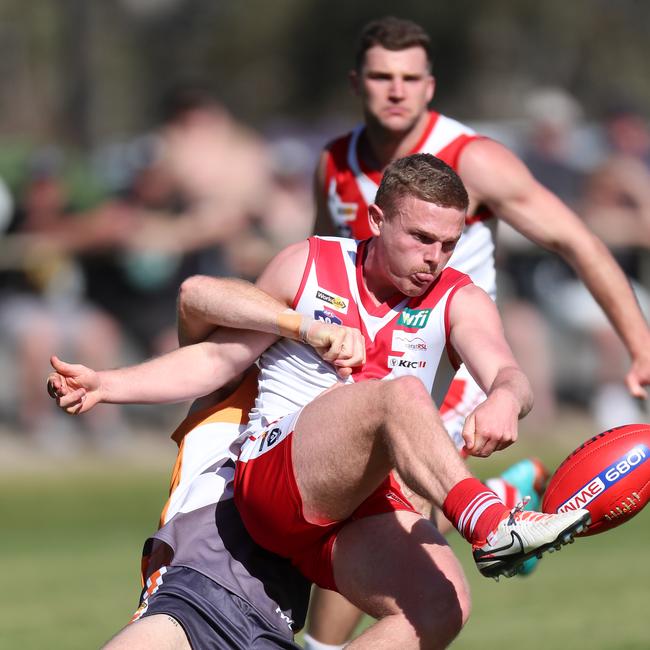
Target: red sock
473	509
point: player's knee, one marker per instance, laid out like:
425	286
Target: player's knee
444	618
406	391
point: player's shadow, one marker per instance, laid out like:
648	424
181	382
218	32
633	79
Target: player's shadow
407	566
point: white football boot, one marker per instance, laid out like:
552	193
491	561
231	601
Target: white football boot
523	534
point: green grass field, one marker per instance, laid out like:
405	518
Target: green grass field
70	559
70	554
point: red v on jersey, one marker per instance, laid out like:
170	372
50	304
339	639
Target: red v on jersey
403	335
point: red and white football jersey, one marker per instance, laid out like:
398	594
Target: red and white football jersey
351	187
407	336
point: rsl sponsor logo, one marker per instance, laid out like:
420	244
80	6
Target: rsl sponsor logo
403	342
415	318
337	303
404	362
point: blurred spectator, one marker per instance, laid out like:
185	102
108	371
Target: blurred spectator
288	211
206	195
616	206
553	117
43	308
627	133
221	170
138	284
549	151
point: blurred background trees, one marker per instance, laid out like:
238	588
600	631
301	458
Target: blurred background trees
84	72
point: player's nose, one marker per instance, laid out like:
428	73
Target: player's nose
396	88
432	255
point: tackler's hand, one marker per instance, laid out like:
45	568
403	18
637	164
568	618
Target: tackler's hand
75	388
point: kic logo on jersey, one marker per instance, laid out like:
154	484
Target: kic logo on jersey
327	317
405	362
416	318
403	342
608	477
335	302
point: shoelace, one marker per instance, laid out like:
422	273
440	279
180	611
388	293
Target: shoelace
518	508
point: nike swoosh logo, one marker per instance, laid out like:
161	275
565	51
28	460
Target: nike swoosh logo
514	538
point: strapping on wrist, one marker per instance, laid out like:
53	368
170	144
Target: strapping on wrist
294	326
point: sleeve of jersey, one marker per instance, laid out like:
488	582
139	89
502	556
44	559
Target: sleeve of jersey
314	245
337	151
460	280
451	153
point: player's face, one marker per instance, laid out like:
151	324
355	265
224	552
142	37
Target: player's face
395	87
413	245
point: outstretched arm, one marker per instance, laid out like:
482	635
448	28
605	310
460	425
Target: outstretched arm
476	334
495	176
180	375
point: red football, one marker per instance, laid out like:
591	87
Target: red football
609	475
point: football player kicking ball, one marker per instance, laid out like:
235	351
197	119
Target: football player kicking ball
313	480
392	78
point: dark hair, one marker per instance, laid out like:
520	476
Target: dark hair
393	34
184	97
425	177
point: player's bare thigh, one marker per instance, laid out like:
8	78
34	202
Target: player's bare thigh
155	632
398	564
339	433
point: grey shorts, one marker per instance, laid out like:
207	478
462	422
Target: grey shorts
212	617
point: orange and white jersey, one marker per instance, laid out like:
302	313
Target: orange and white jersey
351	186
408	336
207	441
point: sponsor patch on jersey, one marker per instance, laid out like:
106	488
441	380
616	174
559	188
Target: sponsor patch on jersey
345	212
404	342
415	318
335	302
405	362
271	436
327	317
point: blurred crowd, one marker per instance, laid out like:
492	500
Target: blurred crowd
201	194
204	193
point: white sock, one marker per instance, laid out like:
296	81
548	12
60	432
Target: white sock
309	643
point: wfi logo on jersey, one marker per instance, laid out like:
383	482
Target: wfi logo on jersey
335	302
402	342
416	318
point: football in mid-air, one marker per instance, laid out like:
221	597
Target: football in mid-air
609	475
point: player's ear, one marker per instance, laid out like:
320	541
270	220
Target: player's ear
375	218
431	90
